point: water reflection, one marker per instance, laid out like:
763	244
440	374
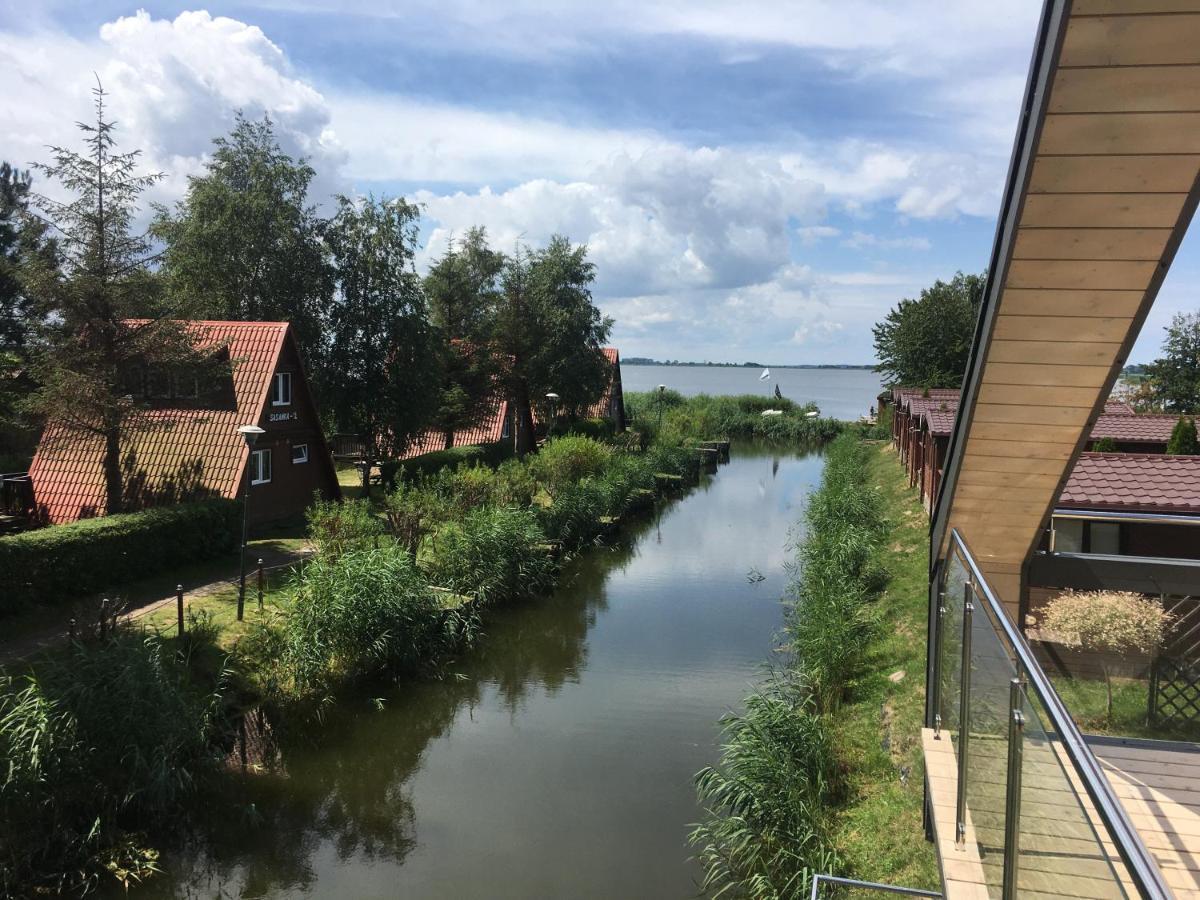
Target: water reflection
558	761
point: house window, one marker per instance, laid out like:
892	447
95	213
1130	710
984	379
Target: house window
1104	537
260	466
281	391
299	453
1068	536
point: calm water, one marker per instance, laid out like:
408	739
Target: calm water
841	393
560	764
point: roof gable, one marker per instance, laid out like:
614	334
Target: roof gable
1147	482
175	453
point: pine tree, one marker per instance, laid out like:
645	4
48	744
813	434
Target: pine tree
1183	440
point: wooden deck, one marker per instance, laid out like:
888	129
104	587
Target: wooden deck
1063	851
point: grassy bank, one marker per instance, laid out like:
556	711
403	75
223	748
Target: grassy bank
823	772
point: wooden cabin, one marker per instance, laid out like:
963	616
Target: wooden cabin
186	445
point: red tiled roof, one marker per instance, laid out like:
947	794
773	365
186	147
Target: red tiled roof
488	431
181	452
602	408
1146	482
1118	408
914	398
941	421
1134	428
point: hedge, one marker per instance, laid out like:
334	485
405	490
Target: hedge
66	562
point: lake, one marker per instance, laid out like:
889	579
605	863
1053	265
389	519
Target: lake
558	760
841	393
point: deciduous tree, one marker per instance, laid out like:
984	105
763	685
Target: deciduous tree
463	288
381	378
1173	380
549	334
926	342
245	243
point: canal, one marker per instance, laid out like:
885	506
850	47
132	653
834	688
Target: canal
557	760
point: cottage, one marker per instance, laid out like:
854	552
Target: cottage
1133	433
188	447
497	424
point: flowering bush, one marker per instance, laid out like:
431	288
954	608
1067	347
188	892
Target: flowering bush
1108	621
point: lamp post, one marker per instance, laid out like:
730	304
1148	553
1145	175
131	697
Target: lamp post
553	398
250	434
662	389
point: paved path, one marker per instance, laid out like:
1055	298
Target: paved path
29	644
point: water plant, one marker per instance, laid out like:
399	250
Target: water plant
495	553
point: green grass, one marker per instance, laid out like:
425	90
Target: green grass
877	732
1086	700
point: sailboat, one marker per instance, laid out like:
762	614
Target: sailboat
765	375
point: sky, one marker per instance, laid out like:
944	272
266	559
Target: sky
756	180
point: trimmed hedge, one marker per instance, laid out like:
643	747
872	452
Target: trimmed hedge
65	562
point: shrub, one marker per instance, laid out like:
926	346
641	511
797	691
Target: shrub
514	484
766	829
495	553
337	527
364	612
1107	622
1105	445
597	429
566	460
413	511
100	746
471	486
1183	441
64	562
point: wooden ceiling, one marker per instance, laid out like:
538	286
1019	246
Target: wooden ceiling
1102	187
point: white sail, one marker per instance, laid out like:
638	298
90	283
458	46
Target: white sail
765	375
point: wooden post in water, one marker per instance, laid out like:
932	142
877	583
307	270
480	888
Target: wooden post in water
260	585
179	606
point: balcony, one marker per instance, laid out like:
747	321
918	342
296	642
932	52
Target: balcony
1020	802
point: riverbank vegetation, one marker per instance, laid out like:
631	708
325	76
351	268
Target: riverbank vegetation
103	740
805	783
675	419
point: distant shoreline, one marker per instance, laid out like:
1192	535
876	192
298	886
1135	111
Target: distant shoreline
642	361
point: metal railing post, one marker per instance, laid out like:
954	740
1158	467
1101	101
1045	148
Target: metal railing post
964	716
939	623
1012	794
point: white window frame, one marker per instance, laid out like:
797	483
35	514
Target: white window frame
304	449
257	458
281	378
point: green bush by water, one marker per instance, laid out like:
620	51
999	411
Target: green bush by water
66	562
495	553
769	801
674	419
100	748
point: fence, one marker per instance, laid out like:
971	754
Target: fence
1030	797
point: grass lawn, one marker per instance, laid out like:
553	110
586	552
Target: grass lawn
879	832
1087	701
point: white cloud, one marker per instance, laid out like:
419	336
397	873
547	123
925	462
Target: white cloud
860	240
174	85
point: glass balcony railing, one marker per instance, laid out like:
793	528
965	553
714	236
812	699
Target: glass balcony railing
1033	810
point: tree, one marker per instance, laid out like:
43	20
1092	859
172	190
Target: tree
548	333
381	378
1173	380
463	289
245	244
1183	438
926	342
1104	622
100	318
23	244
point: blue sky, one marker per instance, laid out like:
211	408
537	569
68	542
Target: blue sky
757	180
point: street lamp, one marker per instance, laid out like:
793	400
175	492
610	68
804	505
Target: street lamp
553	398
662	396
250	434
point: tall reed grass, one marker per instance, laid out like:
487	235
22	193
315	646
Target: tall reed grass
769	801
